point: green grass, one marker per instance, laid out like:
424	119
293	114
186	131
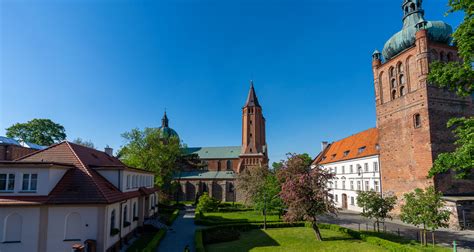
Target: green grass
147	242
293	239
237	217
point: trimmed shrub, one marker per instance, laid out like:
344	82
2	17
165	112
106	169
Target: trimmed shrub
207	203
148	242
172	217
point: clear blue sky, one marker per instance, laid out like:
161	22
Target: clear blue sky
101	68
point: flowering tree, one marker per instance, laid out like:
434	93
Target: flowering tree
305	191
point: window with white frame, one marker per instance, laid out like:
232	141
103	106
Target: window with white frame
343	170
352	185
367	188
343	184
335	184
376	167
128	181
352	201
7	182
351	169
336	199
30	182
376	186
366	167
359	185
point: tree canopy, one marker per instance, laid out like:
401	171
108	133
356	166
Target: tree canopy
376	206
39	131
87	143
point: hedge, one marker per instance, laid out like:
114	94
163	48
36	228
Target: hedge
147	242
173	216
199	219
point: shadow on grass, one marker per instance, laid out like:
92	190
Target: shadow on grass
248	241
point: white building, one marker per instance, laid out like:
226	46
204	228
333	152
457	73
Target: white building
68	194
355	162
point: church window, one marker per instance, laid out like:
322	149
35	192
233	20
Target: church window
402	91
250	122
250	150
392	71
394	94
400	68
433	55
441	56
218	165
417	120
394	83
229	165
231	187
13	225
412	7
402	79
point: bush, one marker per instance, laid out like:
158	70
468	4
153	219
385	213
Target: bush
148	242
207	203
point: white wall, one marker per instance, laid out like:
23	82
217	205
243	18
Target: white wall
111	175
47	179
142	180
371	176
30	228
57	226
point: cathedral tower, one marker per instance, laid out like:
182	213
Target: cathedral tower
254	145
412	113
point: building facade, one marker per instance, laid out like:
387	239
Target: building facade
68	196
355	163
220	165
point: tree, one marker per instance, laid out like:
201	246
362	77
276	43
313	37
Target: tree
376	206
39	131
458	77
86	143
250	183
304	191
425	208
461	159
146	150
206	203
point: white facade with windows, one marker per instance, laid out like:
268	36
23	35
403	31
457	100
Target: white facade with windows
351	176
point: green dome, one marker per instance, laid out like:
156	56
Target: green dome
413	20
165	131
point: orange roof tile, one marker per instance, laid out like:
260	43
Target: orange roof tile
362	144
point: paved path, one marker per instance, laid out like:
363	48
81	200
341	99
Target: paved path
464	239
180	234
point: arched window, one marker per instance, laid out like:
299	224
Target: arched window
412	7
450	56
393	83
400	67
392	71
125	217
417	120
433	55
441	56
13	226
112	221
394	94
231	187
134	210
229	165
73	227
218	165
402	91
401	79
406	9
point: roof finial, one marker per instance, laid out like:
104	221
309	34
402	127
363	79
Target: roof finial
164	121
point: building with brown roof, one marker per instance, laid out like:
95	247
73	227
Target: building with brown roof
69	194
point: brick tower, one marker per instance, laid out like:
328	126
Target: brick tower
254	145
411	113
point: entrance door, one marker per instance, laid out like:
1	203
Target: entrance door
344	201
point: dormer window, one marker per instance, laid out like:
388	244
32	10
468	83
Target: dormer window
333	156
346	153
29	182
361	149
7	182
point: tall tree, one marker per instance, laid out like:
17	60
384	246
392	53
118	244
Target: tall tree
376	206
424	208
87	143
39	131
250	182
304	191
458	77
147	150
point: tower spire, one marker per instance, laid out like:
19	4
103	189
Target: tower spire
164	120
252	100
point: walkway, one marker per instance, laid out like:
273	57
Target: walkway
464	239
180	234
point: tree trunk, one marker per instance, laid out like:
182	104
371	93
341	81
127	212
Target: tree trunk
316	231
433	237
424	238
378	226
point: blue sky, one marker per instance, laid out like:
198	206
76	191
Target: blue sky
103	67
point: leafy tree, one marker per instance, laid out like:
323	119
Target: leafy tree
251	182
304	191
461	160
39	131
206	203
376	206
147	150
424	208
87	143
276	166
458	77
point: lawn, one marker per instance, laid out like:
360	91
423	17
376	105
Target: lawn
238	217
293	239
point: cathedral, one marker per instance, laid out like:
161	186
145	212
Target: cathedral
220	165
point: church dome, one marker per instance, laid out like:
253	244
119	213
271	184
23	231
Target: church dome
165	131
413	20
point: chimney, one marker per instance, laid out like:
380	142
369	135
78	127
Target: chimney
109	151
324	145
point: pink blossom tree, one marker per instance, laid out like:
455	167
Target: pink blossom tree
305	192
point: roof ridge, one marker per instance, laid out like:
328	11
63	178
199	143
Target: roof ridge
373	128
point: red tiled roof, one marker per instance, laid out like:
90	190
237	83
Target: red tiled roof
82	184
348	148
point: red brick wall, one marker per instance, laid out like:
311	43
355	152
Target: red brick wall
12	152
